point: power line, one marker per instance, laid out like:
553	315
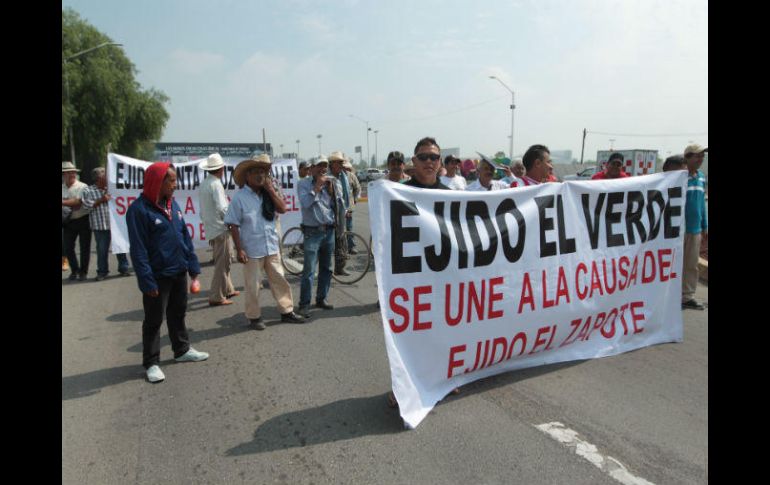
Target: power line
459	110
632	134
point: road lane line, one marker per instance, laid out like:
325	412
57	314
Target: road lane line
607	464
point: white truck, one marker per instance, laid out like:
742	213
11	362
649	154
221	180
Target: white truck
635	162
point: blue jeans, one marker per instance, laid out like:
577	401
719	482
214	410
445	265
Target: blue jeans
103	239
318	246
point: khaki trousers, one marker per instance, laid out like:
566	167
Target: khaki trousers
690	265
271	265
221	283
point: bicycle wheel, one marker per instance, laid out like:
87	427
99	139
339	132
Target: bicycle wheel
292	253
356	264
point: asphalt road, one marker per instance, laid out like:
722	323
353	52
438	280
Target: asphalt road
306	403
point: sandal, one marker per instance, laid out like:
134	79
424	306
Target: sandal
392	403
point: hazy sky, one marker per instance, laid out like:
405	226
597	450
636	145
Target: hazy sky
415	68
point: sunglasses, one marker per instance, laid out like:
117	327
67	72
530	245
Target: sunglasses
423	157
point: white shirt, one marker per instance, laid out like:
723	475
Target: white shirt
455	183
213	206
75	192
495	185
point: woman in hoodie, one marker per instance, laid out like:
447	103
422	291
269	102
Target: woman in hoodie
162	254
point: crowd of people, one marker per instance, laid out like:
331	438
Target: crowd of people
247	229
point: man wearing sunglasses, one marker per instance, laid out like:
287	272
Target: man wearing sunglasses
427	161
614	168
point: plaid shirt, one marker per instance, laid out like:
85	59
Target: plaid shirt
99	216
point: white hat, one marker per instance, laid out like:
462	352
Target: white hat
213	162
337	156
347	164
240	170
695	148
321	159
68	167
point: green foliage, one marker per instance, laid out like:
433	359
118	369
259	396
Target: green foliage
107	106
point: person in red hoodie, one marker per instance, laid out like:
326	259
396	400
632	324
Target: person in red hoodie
162	254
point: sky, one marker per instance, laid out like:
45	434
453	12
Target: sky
416	68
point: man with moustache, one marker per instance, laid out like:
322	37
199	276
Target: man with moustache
320	196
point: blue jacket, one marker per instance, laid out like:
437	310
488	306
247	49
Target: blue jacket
160	246
696	218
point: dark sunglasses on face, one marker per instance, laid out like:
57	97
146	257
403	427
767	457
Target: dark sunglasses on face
423	157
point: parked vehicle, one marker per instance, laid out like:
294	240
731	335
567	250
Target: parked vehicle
637	161
584	174
371	174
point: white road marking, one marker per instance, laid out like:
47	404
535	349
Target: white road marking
607	464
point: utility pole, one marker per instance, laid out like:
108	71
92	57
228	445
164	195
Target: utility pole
375	146
584	146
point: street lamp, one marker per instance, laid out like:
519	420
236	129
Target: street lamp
319	144
368	157
297	149
375	146
612	140
67	90
513	106
281	154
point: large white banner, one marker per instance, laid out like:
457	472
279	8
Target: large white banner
473	284
125	179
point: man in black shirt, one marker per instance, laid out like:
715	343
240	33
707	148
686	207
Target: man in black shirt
427	161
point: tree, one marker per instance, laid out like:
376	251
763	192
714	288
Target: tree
107	107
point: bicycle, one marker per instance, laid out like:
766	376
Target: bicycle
357	264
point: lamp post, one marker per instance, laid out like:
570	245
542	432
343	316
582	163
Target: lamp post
368	156
319	144
612	140
375	147
513	106
297	149
281	146
67	90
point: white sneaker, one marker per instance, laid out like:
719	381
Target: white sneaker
192	355
154	374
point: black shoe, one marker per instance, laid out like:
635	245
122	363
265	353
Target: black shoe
82	277
304	311
101	277
693	304
125	273
341	272
257	324
73	277
292	317
324	304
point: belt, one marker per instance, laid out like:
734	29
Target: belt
322	227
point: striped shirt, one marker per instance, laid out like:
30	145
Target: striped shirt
99	216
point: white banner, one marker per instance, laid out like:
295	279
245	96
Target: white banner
473	284
125	179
